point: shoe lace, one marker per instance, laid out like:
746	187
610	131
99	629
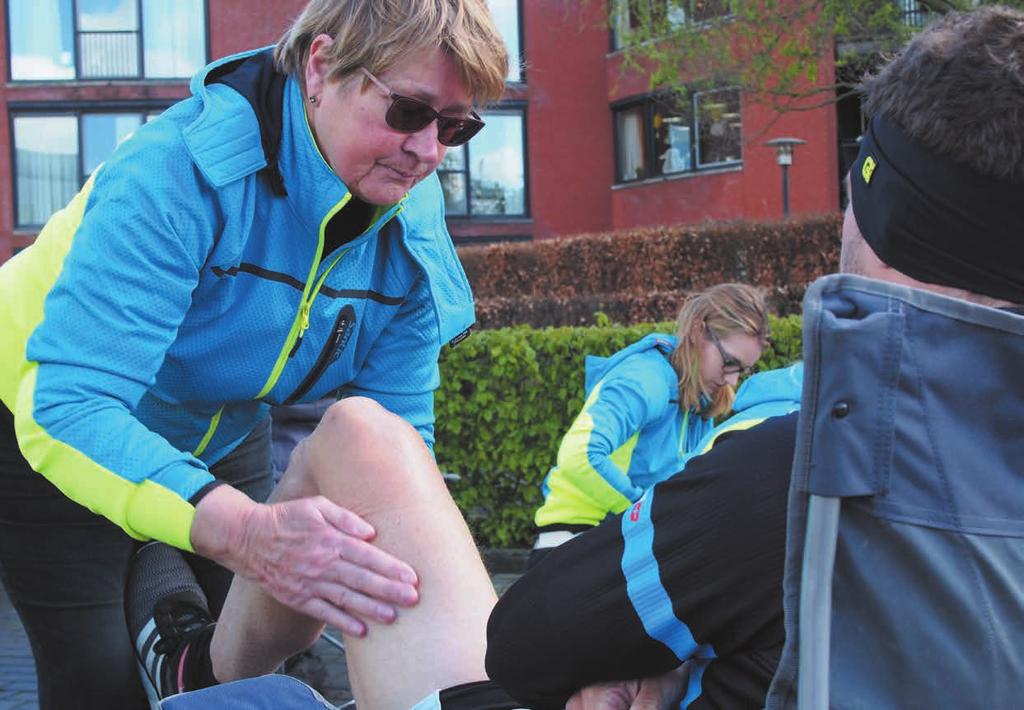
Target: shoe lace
180	626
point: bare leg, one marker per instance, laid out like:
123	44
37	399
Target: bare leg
376	465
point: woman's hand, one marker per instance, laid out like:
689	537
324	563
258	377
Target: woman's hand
655	693
309	554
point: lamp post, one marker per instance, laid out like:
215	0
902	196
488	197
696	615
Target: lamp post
784	154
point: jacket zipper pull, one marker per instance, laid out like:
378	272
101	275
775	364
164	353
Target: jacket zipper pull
304	312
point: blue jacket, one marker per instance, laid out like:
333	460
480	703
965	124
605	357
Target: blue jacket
182	292
629	435
771	393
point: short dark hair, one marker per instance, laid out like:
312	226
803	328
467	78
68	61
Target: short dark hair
958	87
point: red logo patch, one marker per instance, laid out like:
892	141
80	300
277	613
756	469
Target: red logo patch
634	514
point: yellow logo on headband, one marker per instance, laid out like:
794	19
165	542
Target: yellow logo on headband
868	169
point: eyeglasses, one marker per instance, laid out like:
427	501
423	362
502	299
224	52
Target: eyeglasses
730	365
409	115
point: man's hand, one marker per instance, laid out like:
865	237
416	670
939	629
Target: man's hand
654	693
310	554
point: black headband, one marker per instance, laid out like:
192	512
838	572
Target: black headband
936	220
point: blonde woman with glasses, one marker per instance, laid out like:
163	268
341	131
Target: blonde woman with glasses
647	408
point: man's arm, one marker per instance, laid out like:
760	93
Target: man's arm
693	570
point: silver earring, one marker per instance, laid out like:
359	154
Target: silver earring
312	100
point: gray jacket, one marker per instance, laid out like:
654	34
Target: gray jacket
904	581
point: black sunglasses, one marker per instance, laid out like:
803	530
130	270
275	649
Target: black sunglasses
410	115
730	365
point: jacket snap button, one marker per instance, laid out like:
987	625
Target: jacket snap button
840	410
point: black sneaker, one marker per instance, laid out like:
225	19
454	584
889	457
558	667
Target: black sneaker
169	622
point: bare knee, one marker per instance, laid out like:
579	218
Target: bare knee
362	448
362	419
348	432
360	425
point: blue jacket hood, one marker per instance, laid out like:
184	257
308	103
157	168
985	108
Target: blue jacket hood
771	393
597	367
779	387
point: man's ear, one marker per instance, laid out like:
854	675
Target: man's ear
318	65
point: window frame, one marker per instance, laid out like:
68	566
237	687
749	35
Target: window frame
76	33
648	102
521	37
507	107
76	110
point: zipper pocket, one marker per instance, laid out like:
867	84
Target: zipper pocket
336	342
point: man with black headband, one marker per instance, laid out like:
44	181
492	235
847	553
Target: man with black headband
904	545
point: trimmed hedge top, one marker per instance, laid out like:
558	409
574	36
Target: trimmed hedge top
643	274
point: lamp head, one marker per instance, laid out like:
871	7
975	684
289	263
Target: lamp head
784	148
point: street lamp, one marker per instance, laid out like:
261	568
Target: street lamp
784	154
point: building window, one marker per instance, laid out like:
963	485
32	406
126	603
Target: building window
487	176
55	40
506	18
55	155
915	12
656	137
654	15
719	139
707	10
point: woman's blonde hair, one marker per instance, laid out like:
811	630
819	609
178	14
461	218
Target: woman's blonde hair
725	309
377	34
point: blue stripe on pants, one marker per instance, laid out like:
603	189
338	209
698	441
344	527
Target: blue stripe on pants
648	595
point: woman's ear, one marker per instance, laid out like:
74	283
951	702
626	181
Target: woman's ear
318	65
696	331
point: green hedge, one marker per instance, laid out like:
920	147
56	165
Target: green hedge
506	398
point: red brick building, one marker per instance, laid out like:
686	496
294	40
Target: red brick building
573	146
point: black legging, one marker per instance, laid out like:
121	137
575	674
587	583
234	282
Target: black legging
64	567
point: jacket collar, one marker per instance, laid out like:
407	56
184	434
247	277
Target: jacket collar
314	189
249	129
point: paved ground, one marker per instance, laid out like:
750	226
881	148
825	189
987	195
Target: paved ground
323	667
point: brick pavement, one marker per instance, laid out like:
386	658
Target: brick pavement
324	668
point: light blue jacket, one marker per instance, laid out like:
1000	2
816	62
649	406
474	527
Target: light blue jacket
629	435
177	297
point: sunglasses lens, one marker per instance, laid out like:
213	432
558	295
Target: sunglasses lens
411	115
456	131
408	115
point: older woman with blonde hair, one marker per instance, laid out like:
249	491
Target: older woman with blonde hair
647	408
275	238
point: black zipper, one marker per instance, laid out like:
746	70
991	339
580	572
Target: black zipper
335	344
298	342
